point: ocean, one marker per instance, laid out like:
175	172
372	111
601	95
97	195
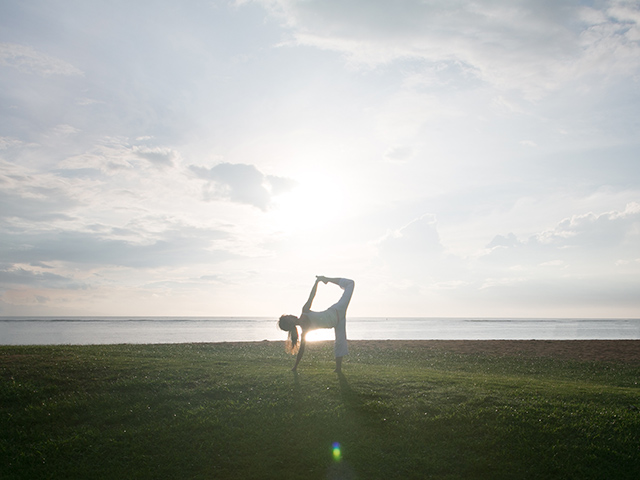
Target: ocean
112	330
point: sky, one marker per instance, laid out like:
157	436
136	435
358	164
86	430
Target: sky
456	159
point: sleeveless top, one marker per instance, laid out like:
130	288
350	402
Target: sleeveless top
326	319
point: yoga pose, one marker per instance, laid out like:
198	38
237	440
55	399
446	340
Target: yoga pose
334	317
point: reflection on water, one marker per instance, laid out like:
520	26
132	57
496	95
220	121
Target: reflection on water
107	330
320	335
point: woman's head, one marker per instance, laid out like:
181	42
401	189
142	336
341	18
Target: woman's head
288	324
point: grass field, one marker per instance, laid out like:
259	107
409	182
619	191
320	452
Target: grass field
236	411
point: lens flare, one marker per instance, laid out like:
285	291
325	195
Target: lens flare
337	454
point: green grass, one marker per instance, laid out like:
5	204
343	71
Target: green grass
236	411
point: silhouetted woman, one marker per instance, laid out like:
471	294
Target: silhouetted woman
333	317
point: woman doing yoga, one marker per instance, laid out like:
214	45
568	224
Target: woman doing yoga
333	317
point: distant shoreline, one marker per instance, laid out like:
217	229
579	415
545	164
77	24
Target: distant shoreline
143	330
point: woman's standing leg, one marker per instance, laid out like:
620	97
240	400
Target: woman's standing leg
341	347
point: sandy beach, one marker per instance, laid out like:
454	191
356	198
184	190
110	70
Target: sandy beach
618	351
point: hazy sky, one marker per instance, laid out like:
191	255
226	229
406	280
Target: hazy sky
455	158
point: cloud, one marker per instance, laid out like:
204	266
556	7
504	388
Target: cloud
47	205
413	251
398	154
11	277
585	243
159	157
528	46
241	183
28	60
63	130
587	261
557	295
420	236
604	231
7	143
169	248
504	241
113	155
33	197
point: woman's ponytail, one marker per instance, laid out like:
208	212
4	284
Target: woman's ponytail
288	324
292	345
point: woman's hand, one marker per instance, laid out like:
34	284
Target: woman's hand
321	278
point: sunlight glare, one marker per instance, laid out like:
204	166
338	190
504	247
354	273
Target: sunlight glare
320	335
315	202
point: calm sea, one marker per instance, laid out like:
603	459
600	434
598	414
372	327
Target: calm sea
109	330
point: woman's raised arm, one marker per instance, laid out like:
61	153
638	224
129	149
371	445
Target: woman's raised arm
312	295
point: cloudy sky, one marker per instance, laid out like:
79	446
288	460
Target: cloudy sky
459	158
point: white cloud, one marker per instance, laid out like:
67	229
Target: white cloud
8	142
26	275
580	257
527	46
504	241
553	263
183	246
64	130
414	251
606	230
241	183
113	155
29	196
398	154
160	157
28	60
108	155
587	244
420	236
89	101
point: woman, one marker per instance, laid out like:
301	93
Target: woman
334	317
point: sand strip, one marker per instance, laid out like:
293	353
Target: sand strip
625	351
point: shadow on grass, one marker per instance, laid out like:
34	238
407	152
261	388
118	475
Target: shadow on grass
350	398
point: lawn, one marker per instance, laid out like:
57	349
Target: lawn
220	411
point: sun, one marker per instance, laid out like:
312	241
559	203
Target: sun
317	200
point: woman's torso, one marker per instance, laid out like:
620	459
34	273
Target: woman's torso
326	319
